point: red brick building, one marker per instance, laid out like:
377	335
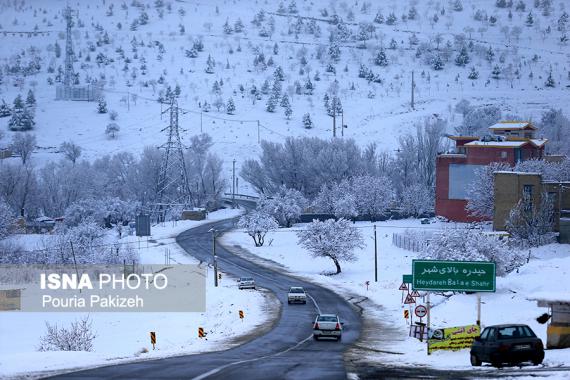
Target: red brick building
508	142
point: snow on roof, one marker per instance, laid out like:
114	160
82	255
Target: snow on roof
497	144
550	297
512	125
538	142
513	172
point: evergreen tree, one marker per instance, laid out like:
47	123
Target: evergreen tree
393	44
326	101
216	89
284	101
275	49
288	111
238	26
102	105
5	109
437	63
412	13
391	19
227	27
210	63
307	122
490	54
271	103
380	58
550	81
230	107
463	57
30	99
529	19
292	8
334	51
458	6
309	87
57	50
379	19
265	87
473	74
496	73
279	74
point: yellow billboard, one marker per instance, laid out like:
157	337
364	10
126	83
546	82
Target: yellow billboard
453	338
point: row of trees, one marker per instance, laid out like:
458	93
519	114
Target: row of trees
340	170
53	188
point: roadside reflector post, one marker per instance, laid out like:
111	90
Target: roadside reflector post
241	315
428	304
153	339
201	333
479	309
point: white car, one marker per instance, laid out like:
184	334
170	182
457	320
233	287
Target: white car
296	294
246	283
327	326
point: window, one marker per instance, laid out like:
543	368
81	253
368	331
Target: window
527	197
518	154
503	154
460	178
485	334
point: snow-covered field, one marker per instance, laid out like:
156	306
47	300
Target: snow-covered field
373	112
547	271
123	336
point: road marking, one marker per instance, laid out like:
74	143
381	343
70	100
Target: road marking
221	368
315	302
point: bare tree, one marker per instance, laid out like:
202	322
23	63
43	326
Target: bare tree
70	151
24	144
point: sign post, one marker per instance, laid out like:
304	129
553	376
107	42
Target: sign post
153	339
460	276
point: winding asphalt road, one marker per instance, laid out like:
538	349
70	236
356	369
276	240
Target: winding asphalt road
287	351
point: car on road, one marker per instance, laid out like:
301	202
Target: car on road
296	294
511	344
327	326
246	283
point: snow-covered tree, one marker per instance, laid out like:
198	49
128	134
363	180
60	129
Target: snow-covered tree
5	110
288	111
416	200
532	224
23	145
285	206
271	104
257	224
437	63
22	117
373	195
71	151
529	19
6	218
555	126
481	191
473	73
336	240
379	18
550	81
308	86
227	27
101	105
30	99
112	130
380	58
391	19
334	51
458	6
462	57
473	245
210	64
230	107
307	122
477	121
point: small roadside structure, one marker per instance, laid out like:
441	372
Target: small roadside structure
558	330
194	214
40	225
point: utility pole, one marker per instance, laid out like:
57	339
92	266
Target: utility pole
428	320
413	88
334	122
375	256
215	259
234	182
258	133
342	124
200	121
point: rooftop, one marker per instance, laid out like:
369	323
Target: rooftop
496	144
512	125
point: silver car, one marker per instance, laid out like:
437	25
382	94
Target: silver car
246	283
296	294
327	326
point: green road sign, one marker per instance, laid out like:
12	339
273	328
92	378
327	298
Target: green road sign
407	278
462	276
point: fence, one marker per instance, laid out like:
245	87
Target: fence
407	243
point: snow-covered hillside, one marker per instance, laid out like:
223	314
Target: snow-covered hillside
139	47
